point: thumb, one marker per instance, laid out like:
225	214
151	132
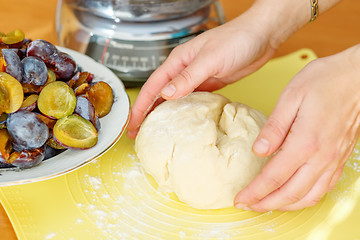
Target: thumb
277	127
198	71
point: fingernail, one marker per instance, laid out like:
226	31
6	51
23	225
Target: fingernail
240	206
168	90
132	134
261	146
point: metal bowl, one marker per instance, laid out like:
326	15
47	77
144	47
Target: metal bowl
139	10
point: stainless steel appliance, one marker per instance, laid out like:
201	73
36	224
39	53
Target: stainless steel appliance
133	37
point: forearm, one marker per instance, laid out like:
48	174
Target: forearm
282	18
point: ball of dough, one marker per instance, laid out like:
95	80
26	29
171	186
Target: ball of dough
200	148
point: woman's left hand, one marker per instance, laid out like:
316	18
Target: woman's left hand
311	133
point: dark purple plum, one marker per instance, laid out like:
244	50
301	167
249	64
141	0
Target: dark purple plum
42	49
97	123
27	130
62	64
13	64
28	158
22	49
85	109
35	71
65	66
51	152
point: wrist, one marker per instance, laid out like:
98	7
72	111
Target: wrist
282	18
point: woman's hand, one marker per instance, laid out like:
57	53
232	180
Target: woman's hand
208	62
222	55
311	132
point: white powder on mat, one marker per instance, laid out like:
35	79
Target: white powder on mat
95	182
50	236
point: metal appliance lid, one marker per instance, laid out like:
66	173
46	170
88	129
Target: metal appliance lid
145	31
139	10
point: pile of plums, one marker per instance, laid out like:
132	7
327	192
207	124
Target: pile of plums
47	103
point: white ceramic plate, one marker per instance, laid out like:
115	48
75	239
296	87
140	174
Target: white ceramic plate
112	127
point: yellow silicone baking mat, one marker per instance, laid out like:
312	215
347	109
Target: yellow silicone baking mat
112	197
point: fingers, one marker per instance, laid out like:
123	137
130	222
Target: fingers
278	124
132	132
275	173
150	92
296	189
182	72
314	196
304	189
301	146
198	71
213	83
271	137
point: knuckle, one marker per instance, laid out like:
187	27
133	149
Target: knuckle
292	93
187	78
311	145
177	50
275	127
275	182
313	201
292	198
253	196
288	93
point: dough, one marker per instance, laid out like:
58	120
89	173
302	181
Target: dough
200	148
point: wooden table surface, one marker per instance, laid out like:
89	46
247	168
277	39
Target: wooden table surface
333	31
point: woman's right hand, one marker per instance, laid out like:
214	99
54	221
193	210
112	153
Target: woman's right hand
208	62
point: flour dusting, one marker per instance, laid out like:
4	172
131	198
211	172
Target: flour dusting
95	182
50	236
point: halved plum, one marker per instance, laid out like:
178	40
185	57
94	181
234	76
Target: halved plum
57	100
4	99
5	144
29	88
50	123
82	89
13	64
54	144
101	96
75	132
14	92
80	78
27	158
29	102
51	76
85	109
12	37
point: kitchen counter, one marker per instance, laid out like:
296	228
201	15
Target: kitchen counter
334	31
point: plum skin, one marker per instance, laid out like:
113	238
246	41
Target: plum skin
27	130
